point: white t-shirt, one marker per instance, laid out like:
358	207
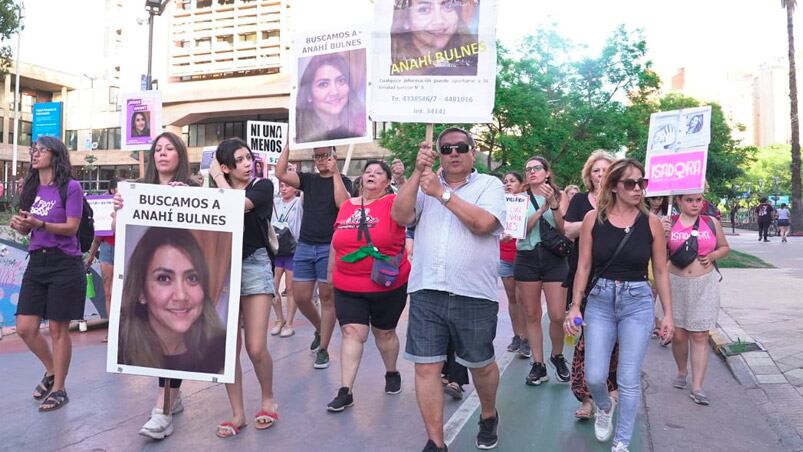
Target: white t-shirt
783	214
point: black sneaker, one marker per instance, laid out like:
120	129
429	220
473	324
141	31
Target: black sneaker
561	368
515	343
537	375
343	400
392	382
487	437
316	342
431	447
321	359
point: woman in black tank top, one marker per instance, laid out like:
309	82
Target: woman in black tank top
619	304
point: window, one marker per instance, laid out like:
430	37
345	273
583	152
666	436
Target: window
211	134
26	134
248	37
106	138
203	3
71	139
203	43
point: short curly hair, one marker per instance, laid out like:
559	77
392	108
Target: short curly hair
599	154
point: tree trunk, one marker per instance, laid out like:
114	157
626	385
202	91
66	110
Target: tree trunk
797	202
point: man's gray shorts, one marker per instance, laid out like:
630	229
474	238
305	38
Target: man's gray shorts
438	318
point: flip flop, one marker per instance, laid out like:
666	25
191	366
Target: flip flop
228	429
265	419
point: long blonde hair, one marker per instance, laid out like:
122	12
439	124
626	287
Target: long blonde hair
599	154
607	197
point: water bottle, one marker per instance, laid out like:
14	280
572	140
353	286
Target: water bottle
571	340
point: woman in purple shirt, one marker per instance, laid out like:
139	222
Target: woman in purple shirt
53	286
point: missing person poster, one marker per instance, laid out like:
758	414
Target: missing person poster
328	98
433	61
175	301
516	219
141	120
677	151
102	210
266	139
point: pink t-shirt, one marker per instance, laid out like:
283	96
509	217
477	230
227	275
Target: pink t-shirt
706	238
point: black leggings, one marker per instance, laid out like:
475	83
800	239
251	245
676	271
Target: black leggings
175	383
763	229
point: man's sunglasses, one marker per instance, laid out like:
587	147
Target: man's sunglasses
461	148
630	184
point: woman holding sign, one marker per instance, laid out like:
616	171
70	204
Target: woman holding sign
514	184
231	169
169	165
538	269
695	288
53	286
328	105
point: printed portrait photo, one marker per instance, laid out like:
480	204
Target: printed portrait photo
140	124
330	104
435	37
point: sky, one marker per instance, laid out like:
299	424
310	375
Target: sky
710	36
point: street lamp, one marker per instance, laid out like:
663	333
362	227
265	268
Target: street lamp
154	8
17	101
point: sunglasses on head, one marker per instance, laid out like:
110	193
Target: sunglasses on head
630	184
461	148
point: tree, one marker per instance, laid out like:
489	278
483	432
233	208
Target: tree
10	23
797	193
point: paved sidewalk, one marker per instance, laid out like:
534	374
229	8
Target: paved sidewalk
763	305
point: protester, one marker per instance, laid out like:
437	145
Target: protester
569	191
323	194
53	285
783	222
764	212
169	165
453	376
734	210
695	290
369	273
453	285
287	212
151	334
103	247
592	174
537	269
514	184
397	173
232	169
328	105
619	306
658	206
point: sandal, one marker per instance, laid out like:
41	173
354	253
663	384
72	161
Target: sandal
265	419
585	412
277	327
454	390
43	388
656	333
54	401
228	429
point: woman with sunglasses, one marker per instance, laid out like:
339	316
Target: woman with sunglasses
53	286
538	269
592	174
619	306
695	289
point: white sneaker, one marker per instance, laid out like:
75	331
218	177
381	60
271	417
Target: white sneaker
178	407
159	426
603	422
620	447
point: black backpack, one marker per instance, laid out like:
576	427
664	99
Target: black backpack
86	229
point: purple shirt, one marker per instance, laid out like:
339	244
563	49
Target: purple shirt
48	207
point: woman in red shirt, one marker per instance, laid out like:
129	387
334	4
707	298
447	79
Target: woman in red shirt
514	183
365	239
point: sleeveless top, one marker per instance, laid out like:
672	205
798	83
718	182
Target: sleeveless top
631	263
706	238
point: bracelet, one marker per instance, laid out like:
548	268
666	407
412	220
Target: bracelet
44	226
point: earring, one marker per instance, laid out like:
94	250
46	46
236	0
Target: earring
141	300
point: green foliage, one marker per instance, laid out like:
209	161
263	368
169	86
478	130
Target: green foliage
767	172
10	23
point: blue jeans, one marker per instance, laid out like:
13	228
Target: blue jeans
623	311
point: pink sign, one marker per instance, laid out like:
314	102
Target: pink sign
677	173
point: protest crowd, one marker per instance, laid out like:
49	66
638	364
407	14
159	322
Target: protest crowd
439	243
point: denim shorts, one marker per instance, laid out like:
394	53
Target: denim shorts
437	319
257	277
310	262
505	269
106	253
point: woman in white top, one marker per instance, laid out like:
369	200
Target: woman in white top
288	210
783	221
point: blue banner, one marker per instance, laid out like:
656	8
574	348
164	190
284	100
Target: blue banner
47	117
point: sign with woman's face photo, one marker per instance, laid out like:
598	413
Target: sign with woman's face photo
141	119
330	95
177	256
433	60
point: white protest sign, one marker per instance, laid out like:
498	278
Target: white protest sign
267	138
516	220
102	210
329	95
176	297
433	62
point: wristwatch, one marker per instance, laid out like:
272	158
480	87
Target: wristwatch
445	197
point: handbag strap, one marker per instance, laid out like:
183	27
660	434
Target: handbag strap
363	228
615	254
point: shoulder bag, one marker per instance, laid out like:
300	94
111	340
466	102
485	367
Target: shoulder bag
687	253
551	239
286	243
607	265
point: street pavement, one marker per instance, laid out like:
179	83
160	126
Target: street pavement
106	410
